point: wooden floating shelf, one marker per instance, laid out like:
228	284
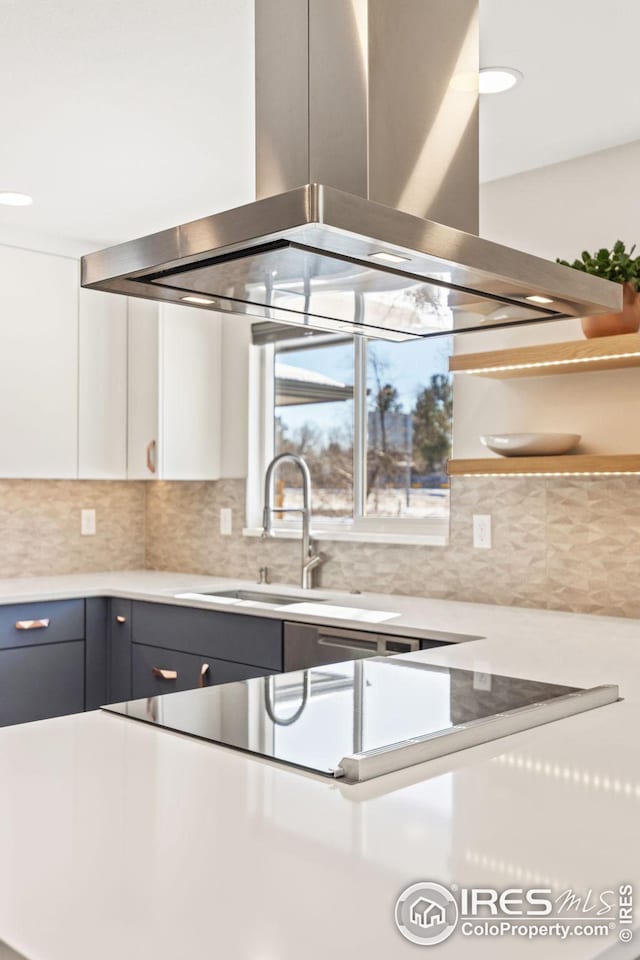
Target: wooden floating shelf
550	359
572	464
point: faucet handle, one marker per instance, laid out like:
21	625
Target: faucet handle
263	575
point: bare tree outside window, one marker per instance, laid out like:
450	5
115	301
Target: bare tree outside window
432	423
314	418
409	427
407	404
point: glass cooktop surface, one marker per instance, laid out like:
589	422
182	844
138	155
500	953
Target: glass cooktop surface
314	718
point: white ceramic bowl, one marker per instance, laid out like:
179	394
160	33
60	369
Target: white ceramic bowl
531	444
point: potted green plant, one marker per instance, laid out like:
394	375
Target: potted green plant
621	266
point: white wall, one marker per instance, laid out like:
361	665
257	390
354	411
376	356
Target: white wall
236	337
557	210
12	235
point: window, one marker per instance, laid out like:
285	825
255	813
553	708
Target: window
314	416
372	419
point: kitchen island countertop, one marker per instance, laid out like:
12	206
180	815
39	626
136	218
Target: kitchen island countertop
120	840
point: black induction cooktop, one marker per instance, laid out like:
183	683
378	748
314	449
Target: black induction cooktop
362	718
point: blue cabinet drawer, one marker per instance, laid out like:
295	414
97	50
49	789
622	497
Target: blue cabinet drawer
41	682
26	624
209	633
156	671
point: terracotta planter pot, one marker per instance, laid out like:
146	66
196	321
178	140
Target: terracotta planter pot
611	324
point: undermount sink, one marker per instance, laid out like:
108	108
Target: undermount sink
308	604
255	596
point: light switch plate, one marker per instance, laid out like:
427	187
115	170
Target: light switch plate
482	531
226	521
88	523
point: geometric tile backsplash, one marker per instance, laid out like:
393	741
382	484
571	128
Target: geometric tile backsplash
40	526
564	543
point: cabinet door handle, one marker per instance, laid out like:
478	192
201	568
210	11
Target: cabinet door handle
120	619
151	456
33	624
204	672
164	674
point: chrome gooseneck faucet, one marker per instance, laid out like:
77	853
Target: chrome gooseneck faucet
310	559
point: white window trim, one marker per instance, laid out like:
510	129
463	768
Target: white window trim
351	536
432	531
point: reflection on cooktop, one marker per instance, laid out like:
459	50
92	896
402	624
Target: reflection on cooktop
314	718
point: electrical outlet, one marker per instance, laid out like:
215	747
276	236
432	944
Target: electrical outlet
88	523
226	521
482	681
482	531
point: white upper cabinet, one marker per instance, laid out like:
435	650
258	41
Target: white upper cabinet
174	392
102	387
96	386
38	364
143	398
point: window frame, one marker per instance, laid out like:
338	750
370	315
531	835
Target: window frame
360	527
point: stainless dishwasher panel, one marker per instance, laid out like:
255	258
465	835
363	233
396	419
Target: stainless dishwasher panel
307	645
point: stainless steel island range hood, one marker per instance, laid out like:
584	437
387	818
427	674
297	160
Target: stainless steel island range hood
366	137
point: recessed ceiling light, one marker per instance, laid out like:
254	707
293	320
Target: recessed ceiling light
11	199
534	298
498	79
201	300
389	257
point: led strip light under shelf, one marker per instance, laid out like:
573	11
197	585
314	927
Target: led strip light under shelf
554	473
499	368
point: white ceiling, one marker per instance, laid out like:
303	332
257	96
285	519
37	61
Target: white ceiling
580	90
122	117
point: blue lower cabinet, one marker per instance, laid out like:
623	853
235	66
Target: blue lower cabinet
34	624
119	651
213	633
96	656
39	682
156	670
44	667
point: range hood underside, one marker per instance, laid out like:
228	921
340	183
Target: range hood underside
327	260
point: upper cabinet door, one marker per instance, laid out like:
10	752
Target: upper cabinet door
174	392
102	424
190	397
38	365
143	439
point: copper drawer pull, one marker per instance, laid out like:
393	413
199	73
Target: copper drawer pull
151	456
32	624
121	619
164	674
204	670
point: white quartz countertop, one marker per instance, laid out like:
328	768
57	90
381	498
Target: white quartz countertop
409	616
120	840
